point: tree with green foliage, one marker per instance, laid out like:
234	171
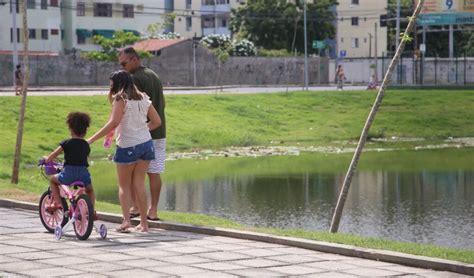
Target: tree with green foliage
111	46
278	24
221	47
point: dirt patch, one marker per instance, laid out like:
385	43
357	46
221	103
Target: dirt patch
20	195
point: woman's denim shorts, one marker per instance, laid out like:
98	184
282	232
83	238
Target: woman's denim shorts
70	174
144	151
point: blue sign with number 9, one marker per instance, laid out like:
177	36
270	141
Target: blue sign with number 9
449	4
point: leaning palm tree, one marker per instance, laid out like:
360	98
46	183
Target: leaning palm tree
365	131
21	121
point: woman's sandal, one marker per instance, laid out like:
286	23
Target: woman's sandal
134	214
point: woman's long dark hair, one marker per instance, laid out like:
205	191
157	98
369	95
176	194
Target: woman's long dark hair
122	87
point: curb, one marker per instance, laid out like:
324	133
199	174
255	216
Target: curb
105	89
335	248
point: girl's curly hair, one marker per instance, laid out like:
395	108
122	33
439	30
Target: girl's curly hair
78	122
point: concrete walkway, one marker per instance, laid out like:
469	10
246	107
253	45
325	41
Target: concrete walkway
26	249
89	91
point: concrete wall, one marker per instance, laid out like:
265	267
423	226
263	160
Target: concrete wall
175	67
436	71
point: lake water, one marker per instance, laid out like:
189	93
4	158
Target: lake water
412	196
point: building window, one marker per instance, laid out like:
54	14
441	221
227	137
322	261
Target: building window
102	10
355	43
342	39
44	34
54	32
365	40
54	3
224	23
189	4
31	4
15	3
209	22
128	11
355	21
215	2
189	23
44	4
81	9
81	40
355	2
32	34
17	34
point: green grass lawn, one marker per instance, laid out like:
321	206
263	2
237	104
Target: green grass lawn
209	122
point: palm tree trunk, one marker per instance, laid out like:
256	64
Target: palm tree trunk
363	138
21	121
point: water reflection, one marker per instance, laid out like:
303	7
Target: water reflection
422	196
427	207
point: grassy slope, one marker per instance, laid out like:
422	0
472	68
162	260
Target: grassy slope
314	118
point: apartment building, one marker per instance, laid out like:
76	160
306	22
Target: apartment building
44	24
82	19
355	28
62	25
198	18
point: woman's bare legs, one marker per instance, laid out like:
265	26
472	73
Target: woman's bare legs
125	173
138	183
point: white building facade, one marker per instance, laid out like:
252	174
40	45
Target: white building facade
358	28
199	18
44	24
62	25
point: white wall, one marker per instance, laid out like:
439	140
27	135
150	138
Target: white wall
38	19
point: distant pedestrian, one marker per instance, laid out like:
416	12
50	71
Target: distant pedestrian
18	81
147	81
372	83
340	77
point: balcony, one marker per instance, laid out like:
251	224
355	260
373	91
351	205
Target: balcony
215	30
213	9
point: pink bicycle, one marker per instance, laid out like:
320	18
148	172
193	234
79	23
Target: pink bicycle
78	213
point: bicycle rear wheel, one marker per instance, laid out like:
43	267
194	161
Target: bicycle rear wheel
84	222
52	219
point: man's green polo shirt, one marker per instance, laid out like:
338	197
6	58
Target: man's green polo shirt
147	81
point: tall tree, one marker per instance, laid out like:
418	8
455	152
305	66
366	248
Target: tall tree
278	24
21	120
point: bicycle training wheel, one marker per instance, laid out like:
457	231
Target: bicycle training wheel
52	219
84	222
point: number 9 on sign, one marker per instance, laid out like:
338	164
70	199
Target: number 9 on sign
449	4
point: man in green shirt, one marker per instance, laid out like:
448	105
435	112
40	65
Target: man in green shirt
147	81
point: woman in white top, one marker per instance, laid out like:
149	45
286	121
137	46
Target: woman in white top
131	110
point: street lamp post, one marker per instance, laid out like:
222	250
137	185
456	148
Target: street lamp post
305	50
14	7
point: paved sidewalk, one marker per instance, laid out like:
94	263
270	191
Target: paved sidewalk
26	249
89	91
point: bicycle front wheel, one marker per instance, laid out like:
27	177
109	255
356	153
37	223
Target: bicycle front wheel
84	222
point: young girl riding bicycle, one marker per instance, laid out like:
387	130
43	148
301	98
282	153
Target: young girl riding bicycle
76	151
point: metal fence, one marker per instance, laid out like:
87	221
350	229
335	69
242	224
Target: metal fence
409	71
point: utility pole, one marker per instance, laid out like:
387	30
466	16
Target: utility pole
14	7
376	54
305	50
397	36
451	41
370	45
